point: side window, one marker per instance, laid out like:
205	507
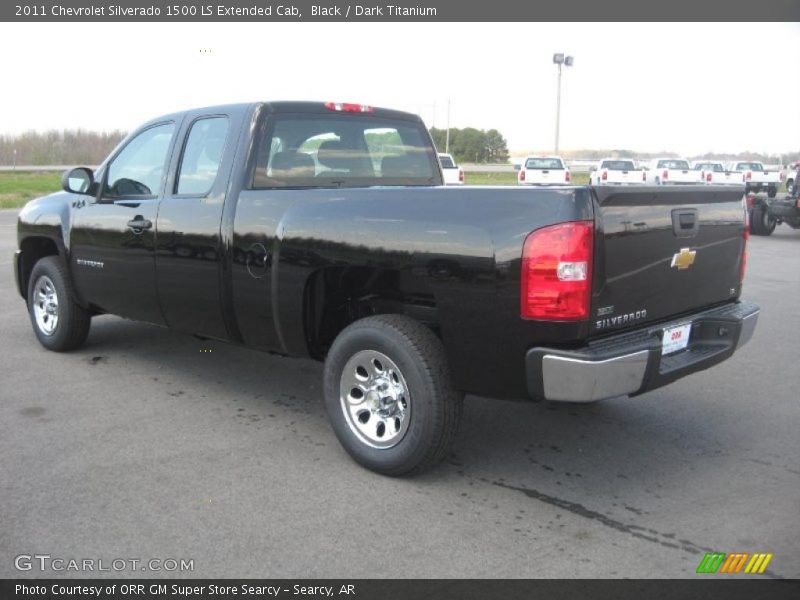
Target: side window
202	156
137	170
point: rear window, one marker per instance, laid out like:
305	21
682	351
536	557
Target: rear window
673	164
715	167
618	165
344	150
544	163
749	166
447	162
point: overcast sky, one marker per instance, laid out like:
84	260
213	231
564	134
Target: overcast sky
687	88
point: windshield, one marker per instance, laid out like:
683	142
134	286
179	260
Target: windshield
544	163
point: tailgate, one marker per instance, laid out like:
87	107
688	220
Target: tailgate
661	252
684	176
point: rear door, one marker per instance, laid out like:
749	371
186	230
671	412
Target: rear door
661	252
189	250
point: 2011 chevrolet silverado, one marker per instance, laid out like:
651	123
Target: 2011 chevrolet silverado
324	230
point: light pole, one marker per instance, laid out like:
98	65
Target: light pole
560	60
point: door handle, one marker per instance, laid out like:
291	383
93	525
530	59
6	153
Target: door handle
139	224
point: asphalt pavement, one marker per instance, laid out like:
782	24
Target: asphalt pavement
148	444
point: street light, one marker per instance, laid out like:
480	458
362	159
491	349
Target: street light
560	59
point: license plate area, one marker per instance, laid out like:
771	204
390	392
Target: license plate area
675	339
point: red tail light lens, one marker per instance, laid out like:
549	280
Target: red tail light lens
749	175
665	174
348	107
461	175
604	176
644	175
522	174
567	176
556	278
708	177
746	237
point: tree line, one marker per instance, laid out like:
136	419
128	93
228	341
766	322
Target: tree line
472	145
66	147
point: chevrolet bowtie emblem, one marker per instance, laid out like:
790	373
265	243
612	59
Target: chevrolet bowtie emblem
683	259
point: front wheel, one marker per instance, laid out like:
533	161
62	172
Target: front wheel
59	323
389	395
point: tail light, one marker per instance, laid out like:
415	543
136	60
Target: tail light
522	174
749	175
567	176
745	237
604	176
348	107
644	175
797	204
556	277
665	174
461	175
708	177
749	201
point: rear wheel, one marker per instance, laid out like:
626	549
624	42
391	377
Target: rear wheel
772	191
59	323
762	222
389	395
790	186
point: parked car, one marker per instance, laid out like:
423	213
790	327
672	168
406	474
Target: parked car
756	178
617	171
324	230
767	213
544	170
714	173
453	174
669	171
791	176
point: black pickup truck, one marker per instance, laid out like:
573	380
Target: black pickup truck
323	230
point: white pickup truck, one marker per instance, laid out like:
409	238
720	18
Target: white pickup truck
453	174
617	171
669	171
756	178
715	173
544	170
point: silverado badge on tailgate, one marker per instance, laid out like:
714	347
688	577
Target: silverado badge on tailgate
683	259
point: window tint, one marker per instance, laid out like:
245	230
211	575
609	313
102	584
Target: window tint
137	170
618	165
343	151
202	156
447	162
543	163
673	164
715	167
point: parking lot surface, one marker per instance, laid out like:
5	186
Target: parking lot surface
151	444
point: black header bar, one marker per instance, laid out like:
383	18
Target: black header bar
398	10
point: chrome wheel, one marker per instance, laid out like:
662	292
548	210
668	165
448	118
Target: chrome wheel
374	398
45	305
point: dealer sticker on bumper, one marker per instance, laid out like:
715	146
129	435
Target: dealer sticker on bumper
675	338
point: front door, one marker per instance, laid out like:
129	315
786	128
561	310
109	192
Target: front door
112	244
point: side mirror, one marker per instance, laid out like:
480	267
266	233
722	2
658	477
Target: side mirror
78	181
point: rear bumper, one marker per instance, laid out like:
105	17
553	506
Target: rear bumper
631	363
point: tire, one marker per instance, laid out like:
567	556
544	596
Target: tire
412	425
762	222
58	323
789	186
772	191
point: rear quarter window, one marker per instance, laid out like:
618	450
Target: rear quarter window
343	150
